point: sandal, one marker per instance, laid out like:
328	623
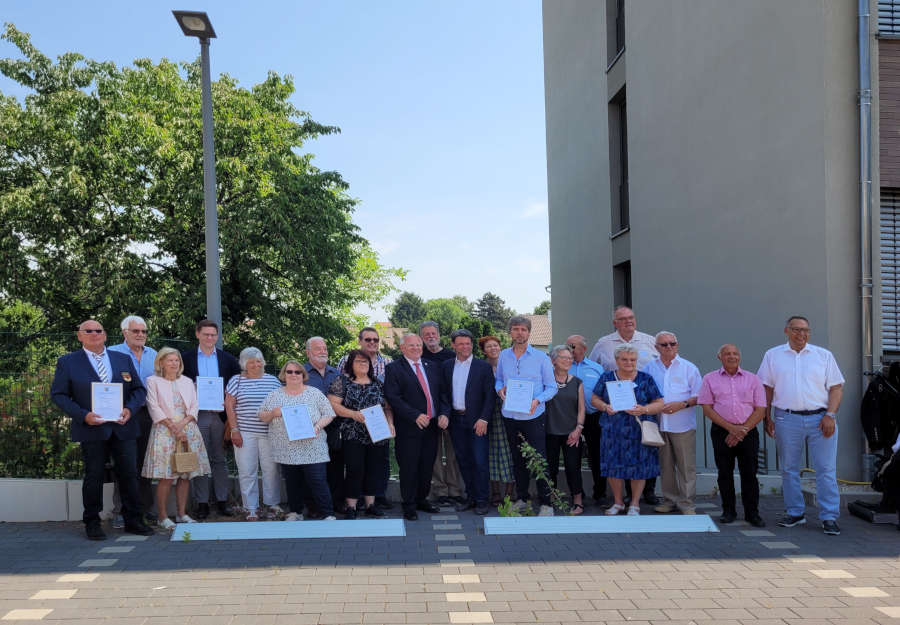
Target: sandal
634	511
614	509
576	509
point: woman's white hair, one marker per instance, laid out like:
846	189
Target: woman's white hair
625	349
248	354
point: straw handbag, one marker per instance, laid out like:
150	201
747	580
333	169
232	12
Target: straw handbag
185	461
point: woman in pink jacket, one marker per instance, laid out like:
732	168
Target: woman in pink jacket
172	403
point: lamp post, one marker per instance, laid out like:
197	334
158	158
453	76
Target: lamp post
197	24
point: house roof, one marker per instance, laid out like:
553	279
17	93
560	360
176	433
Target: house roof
390	335
541	330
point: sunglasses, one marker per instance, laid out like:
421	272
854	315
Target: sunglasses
138	331
292	372
94	331
371	340
672	344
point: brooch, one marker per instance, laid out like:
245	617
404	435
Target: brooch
126	376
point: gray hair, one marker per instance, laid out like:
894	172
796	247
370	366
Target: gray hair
625	349
248	354
661	332
314	338
577	338
429	324
724	345
620	307
560	348
519	320
408	335
127	321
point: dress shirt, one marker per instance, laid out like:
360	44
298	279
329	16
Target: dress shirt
105	358
460	377
532	365
379	365
801	381
207	366
316	380
606	346
412	365
145	366
733	397
589	373
678	382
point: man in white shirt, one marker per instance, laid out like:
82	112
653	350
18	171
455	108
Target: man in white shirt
679	381
626	334
804	387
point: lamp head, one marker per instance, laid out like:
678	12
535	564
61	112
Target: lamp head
195	24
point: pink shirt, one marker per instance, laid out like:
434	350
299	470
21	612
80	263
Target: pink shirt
733	397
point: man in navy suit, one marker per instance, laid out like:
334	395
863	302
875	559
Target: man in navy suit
210	361
412	387
469	386
71	391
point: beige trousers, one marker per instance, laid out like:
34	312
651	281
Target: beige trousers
678	468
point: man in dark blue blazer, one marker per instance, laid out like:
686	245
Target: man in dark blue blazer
71	391
412	387
210	361
469	386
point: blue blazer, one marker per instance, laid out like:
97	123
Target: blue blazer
71	391
480	394
228	365
404	394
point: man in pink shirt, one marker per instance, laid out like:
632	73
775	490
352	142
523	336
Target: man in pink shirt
735	401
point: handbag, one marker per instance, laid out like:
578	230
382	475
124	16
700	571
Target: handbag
185	461
650	435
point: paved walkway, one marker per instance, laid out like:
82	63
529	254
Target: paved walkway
447	571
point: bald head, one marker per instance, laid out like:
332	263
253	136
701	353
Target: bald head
578	346
730	357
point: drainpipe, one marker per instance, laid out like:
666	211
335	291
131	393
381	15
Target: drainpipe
865	208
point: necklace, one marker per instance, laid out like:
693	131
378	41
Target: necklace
562	384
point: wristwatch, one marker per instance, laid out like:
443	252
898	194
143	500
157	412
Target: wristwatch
831	414
687	404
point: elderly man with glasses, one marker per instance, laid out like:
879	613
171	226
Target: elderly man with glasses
804	387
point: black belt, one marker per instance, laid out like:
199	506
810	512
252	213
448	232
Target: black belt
805	413
457	412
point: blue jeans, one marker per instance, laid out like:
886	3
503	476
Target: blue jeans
472	457
791	430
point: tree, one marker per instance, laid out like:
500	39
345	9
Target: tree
463	302
101	203
492	308
408	311
543	308
446	313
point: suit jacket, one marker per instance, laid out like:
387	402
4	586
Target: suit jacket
159	397
71	391
228	366
405	395
480	393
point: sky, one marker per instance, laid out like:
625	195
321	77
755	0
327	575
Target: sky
440	105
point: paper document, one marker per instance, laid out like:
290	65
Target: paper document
210	393
519	394
106	400
376	423
297	422
621	395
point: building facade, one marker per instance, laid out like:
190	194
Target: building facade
703	162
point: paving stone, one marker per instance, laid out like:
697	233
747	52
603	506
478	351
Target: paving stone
26	614
57	593
471	617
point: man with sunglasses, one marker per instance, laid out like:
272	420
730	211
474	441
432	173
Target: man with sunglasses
804	387
72	391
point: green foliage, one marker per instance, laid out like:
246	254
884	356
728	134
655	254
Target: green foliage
463	302
493	309
446	313
186	537
543	308
537	466
408	311
508	508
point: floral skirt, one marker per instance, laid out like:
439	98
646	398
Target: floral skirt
159	461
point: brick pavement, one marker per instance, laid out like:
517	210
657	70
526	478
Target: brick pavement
740	575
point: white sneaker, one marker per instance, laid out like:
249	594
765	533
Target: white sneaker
330	517
633	511
276	509
545	511
293	516
520	505
167	524
185	519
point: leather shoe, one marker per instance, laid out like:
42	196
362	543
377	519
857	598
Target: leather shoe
224	509
651	499
140	528
350	513
482	508
427	506
374	511
410	515
202	511
384	503
94	531
465	505
756	521
727	517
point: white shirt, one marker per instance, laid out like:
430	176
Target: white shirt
412	364
680	381
460	377
801	381
606	346
92	358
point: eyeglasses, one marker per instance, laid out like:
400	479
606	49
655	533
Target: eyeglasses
799	330
371	339
138	331
671	344
292	372
570	345
93	331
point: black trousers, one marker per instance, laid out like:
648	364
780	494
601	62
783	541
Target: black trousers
592	435
299	477
365	465
335	473
556	443
747	455
145	484
415	453
124	454
535	433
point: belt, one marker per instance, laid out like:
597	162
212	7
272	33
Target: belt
805	413
457	412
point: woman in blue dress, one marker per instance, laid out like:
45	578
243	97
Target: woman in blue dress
622	456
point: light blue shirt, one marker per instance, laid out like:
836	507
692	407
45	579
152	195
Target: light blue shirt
533	366
105	358
145	366
589	373
207	366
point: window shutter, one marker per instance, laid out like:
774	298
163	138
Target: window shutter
890	269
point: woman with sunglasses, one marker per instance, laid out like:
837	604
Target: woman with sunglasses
304	459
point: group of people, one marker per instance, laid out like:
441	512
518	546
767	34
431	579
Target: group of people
457	440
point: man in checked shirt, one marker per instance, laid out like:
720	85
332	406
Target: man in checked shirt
735	401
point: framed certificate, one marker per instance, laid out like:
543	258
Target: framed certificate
519	394
621	395
297	422
210	393
107	400
376	423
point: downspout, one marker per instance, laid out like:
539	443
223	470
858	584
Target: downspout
865	208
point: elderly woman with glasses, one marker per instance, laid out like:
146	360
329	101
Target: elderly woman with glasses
305	458
623	457
565	424
243	396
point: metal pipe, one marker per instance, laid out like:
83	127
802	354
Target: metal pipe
865	206
213	289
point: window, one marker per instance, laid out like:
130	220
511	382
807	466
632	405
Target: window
890	270
615	29
889	18
618	162
622	284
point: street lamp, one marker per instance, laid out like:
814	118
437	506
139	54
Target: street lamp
197	24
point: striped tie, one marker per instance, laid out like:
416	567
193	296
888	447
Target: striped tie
101	368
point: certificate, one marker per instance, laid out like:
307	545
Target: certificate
621	395
297	422
106	400
210	393
519	394
376	423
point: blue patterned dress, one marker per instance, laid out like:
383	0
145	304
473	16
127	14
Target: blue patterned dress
621	452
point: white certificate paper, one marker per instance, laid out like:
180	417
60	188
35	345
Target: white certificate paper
106	400
621	395
376	423
210	393
297	422
519	394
